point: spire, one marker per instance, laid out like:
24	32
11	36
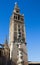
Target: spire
16	8
16	5
6	41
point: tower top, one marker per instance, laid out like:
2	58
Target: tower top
16	5
16	8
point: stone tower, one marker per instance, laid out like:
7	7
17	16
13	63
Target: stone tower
16	25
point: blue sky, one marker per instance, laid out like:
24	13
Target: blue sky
31	11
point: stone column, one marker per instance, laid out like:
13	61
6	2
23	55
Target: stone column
11	50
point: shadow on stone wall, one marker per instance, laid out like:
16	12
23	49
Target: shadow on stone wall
4	61
5	55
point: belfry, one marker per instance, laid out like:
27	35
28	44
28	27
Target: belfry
17	42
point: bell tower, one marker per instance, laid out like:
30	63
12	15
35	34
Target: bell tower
17	29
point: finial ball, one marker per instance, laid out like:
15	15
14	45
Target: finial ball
15	3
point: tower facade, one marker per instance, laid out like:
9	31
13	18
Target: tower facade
17	27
